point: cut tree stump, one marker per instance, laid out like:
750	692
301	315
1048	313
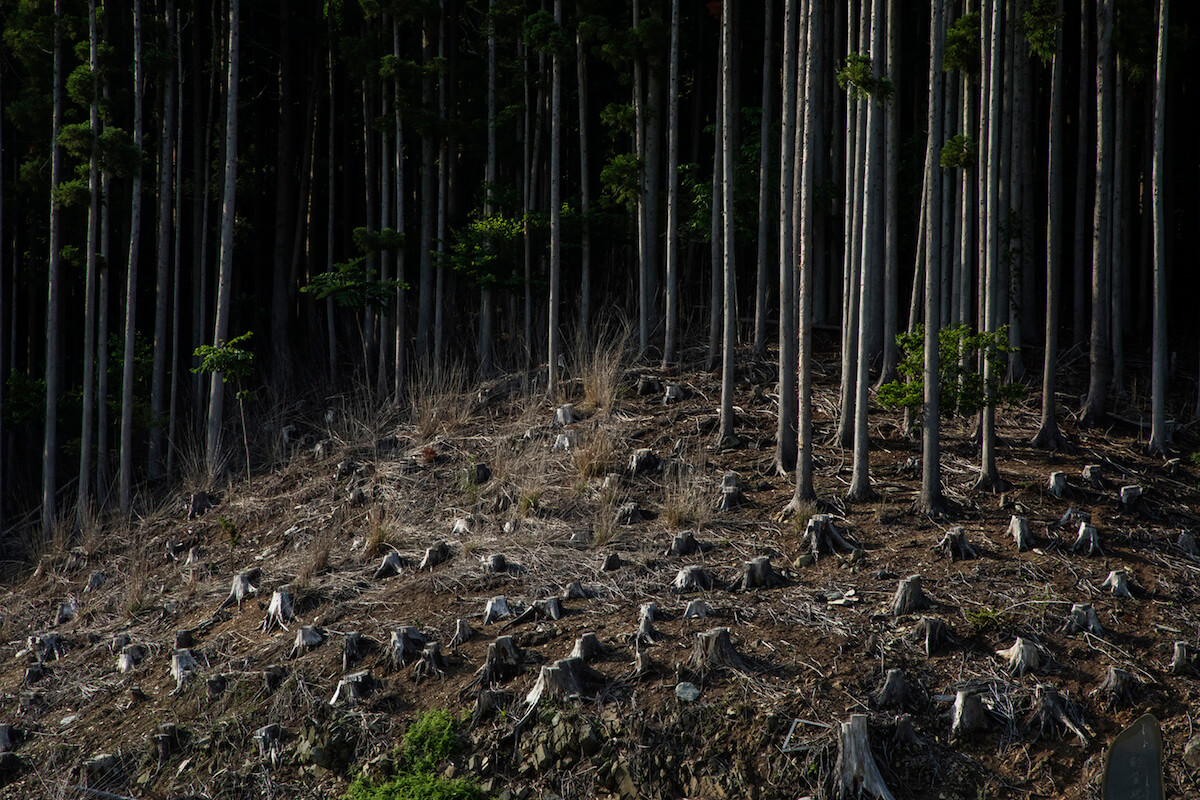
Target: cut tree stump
166	741
462	634
200	502
268	739
692	578
1053	714
1187	543
895	692
1082	617
968	715
643	461
612	563
673	393
244	585
1022	656
565	442
118	642
628	514
1130	498
503	661
564	416
1088	541
131	656
307	637
696	609
1119	688
273	677
1056	486
643	667
183	664
439	553
1093	476
648	384
462	526
646	633
909	597
575	591
67	610
8	738
215	686
858	774
280	611
1117	583
565	679
1183	661
588	648
391	565
955	546
184	639
102	770
712	651
550	609
731	492
1018	529
821	537
95	581
757	573
685	544
47	647
406	644
430	664
497	608
352	648
496	564
932	634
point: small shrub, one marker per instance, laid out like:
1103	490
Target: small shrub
429	741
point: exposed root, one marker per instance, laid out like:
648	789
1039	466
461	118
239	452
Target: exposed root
1053	714
280	611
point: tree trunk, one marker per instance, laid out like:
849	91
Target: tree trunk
285	178
715	229
87	430
53	289
428	203
1159	436
554	349
1095	409
177	249
162	281
1082	170
989	475
1118	238
398	156
331	179
764	169
727	179
487	312
891	247
652	158
670	339
785	431
135	233
216	398
585	253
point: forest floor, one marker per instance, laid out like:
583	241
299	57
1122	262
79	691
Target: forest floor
356	483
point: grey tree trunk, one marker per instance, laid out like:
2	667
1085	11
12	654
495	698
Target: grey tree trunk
851	272
1159	435
284	181
177	251
162	282
87	429
54	278
487	312
1117	247
785	431
105	292
727	179
1082	173
1095	410
764	200
216	397
670	339
428	205
652	154
331	179
135	233
401	301
891	247
443	179
1048	436
715	229
554	348
386	322
585	190
639	148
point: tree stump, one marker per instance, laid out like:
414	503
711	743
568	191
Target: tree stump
268	739
684	544
1183	662
1118	688
1022	656
462	526
200	502
487	702
131	655
628	514
244	585
895	692
47	647
1187	543
406	644
550	609
1018	529
67	610
8	738
307	637
462	634
496	608
968	715
496	564
503	661
647	385
1053	714
565	679
352	647
1071	519
713	650
183	664
479	474
184	639
1088	541
430	664
643	461
575	591
391	565
612	563
273	677
35	672
104	770
673	393
439	553
588	648
565	442
932	633
821	537
696	609
692	578
215	686
1057	485
643	666
1130	498
564	416
731	492
166	741
757	573
858	774
1093	476
646	633
280	611
95	581
1117	583
1082	617
954	545
118	642
905	735
909	597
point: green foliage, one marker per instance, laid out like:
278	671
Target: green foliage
962	45
24	399
545	35
414	787
352	285
621	178
429	741
619	119
228	359
857	78
961	390
385	240
487	249
1039	25
959	151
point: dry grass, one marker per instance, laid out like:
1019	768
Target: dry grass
378	533
600	370
687	498
595	456
441	399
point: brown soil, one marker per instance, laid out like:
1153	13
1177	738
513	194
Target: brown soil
806	658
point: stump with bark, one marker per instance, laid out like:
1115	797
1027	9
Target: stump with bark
1056	486
696	609
215	686
712	651
565	442
1018	529
588	648
955	546
646	633
564	415
47	647
1093	476
391	565
628	514
858	774
565	679
184	638
280	611
244	585
685	544
1071	519
821	537
95	581
268	739
932	634
439	553
909	597
643	461
8	738
1130	497
131	655
895	692
643	666
405	645
1187	543
757	573
1022	656
430	664
1053	714
731	492
1183	661
1119	688
575	591
968	715
503	661
612	563
352	649
307	637
1087	541
67	610
550	609
1082	617
497	608
692	578
273	677
462	634
166	741
183	664
496	564
1117	583
672	393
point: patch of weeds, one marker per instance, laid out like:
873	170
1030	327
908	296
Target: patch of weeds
316	564
429	741
600	370
377	533
530	502
686	504
440	399
596	457
985	619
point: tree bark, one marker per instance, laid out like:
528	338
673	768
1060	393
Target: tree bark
285	178
87	430
727	179
1159	435
53	289
486	301
428	204
554	348
162	282
1095	410
670	339
585	190
785	432
764	169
